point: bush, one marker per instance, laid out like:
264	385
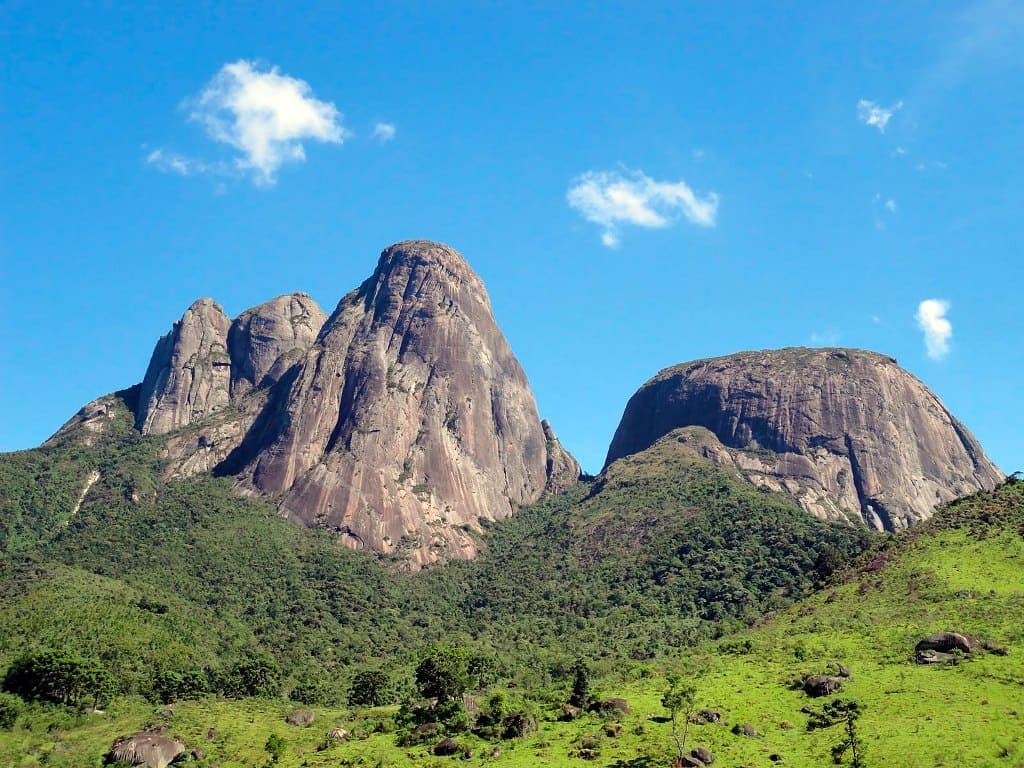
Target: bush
11	707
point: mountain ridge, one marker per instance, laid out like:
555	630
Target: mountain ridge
400	421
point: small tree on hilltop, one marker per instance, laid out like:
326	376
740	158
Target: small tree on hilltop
840	712
679	700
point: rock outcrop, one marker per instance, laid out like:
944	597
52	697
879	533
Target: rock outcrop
401	422
848	433
148	748
410	420
207	363
189	375
265	341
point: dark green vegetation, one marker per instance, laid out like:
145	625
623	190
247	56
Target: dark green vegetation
156	592
183	588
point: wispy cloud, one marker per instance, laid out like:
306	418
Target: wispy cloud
873	113
931	318
827	338
384	132
882	207
612	199
171	162
263	115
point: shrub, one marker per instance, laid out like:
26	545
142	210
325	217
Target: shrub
11	707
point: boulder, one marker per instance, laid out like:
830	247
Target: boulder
703	754
147	748
706	716
569	713
746	729
947	642
822	685
515	725
446	747
615	705
301	717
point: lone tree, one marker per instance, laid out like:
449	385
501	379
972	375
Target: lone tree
370	688
580	695
840	712
275	747
679	700
443	673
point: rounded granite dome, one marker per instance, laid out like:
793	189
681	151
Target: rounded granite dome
849	422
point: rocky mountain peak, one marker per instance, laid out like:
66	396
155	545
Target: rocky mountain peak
189	374
425	255
267	340
410	420
848	432
401	421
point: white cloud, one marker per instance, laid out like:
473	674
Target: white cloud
171	162
611	199
265	116
825	339
384	132
872	113
931	318
890	205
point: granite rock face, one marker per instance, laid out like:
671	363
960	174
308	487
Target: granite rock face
189	375
401	422
207	363
850	434
410	420
265	341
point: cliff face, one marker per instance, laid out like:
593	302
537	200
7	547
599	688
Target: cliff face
401	421
409	420
265	341
848	433
189	375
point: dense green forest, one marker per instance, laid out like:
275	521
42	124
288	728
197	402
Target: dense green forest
162	581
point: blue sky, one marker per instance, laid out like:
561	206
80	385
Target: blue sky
638	184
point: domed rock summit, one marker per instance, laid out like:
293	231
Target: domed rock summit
848	433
